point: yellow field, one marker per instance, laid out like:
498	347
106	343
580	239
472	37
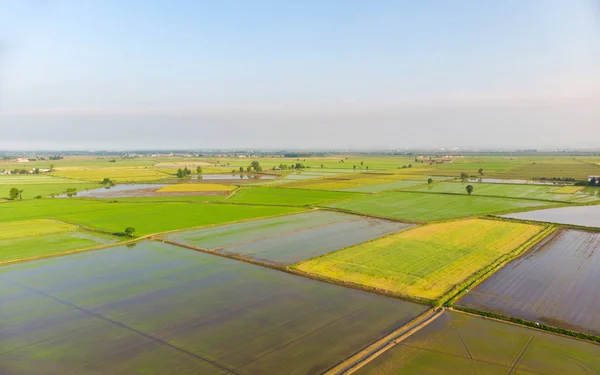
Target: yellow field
189	188
124	174
568	189
30	228
425	262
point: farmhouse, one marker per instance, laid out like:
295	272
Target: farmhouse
594	179
22	160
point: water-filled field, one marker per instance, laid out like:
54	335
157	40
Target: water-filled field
424	262
587	216
161	309
426	207
556	284
460	344
289	239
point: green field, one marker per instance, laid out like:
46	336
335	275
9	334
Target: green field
57	243
429	207
424	262
34	238
32	191
296	197
34	185
146	218
530	191
461	344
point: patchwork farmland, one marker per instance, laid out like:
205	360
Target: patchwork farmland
331	269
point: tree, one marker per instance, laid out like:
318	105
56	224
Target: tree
241	169
256	166
410	165
249	169
36	171
180	173
480	171
464	176
71	192
362	163
470	189
129	231
106	181
367	167
430	181
14	193
354	167
199	169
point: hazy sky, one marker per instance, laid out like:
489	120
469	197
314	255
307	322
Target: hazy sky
116	74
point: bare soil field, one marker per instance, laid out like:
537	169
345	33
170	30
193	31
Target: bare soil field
556	283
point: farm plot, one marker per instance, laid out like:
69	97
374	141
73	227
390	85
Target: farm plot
428	207
141	309
378	188
425	262
289	239
586	216
33	238
298	197
36	179
146	218
554	284
567	194
124	174
461	344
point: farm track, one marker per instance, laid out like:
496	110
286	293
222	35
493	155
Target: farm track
368	354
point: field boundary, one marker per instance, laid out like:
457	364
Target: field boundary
565	226
546	328
71	252
371	352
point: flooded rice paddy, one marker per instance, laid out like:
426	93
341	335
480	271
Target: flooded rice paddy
587	216
556	284
461	344
289	239
115	191
160	309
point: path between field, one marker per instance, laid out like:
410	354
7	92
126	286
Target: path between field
368	354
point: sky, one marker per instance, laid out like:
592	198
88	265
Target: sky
340	74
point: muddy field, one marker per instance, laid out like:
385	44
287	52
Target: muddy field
556	283
160	309
587	216
460	344
291	239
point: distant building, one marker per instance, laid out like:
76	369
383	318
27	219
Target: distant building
596	178
22	160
